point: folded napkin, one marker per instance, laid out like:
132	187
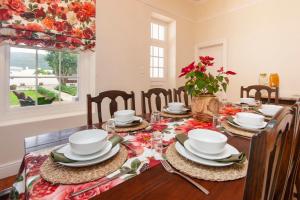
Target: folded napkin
60	157
235	158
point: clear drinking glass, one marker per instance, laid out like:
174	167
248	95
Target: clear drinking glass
245	107
258	103
216	121
155	117
157	142
110	126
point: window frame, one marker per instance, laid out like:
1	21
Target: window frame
8	113
161	44
37	77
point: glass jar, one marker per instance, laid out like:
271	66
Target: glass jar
263	79
274	80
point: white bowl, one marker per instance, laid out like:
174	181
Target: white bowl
175	106
207	141
249	101
270	110
124	115
88	141
250	118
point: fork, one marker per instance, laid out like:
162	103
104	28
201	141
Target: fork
169	169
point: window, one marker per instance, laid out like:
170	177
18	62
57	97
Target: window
40	77
158	50
38	83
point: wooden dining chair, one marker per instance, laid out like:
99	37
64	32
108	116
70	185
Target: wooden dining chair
258	92
113	105
270	157
178	93
294	176
156	92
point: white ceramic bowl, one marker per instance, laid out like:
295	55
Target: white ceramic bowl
249	101
124	115
88	141
270	110
250	118
175	106
207	141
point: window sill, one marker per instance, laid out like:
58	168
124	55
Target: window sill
40	118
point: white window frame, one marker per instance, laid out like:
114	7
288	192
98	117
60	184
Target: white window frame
162	44
85	72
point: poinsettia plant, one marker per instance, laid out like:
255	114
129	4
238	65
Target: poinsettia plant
201	82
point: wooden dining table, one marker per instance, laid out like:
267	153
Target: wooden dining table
155	183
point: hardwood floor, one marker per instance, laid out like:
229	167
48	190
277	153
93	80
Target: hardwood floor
7	182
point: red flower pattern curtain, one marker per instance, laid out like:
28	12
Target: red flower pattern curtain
59	24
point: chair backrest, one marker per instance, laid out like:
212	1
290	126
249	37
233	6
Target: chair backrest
177	93
258	95
113	105
294	175
269	159
146	96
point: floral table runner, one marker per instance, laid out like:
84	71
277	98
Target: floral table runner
30	185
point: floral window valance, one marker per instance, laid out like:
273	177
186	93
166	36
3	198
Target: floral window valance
56	24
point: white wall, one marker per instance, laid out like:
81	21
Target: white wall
262	36
121	63
123	38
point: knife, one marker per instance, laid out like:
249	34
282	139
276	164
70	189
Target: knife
123	171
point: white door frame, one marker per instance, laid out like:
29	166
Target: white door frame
219	42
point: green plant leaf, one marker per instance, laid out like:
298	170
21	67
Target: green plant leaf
190	75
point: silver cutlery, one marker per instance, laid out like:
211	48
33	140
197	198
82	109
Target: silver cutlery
143	167
169	169
122	172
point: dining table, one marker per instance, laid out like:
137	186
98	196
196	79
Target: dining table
153	183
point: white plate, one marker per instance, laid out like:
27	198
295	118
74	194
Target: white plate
66	150
105	157
188	155
167	110
264	124
125	124
228	151
262	112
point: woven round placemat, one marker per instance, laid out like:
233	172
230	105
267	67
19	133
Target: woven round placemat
195	170
169	115
237	131
140	126
58	174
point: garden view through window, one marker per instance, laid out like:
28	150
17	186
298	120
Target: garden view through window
39	77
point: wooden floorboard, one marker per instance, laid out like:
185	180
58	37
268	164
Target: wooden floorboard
7	182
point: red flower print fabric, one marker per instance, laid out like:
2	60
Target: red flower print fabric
60	24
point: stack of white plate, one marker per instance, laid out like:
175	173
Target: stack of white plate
126	118
205	147
88	147
249	121
176	108
248	101
270	110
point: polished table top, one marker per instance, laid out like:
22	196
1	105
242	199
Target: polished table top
155	183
